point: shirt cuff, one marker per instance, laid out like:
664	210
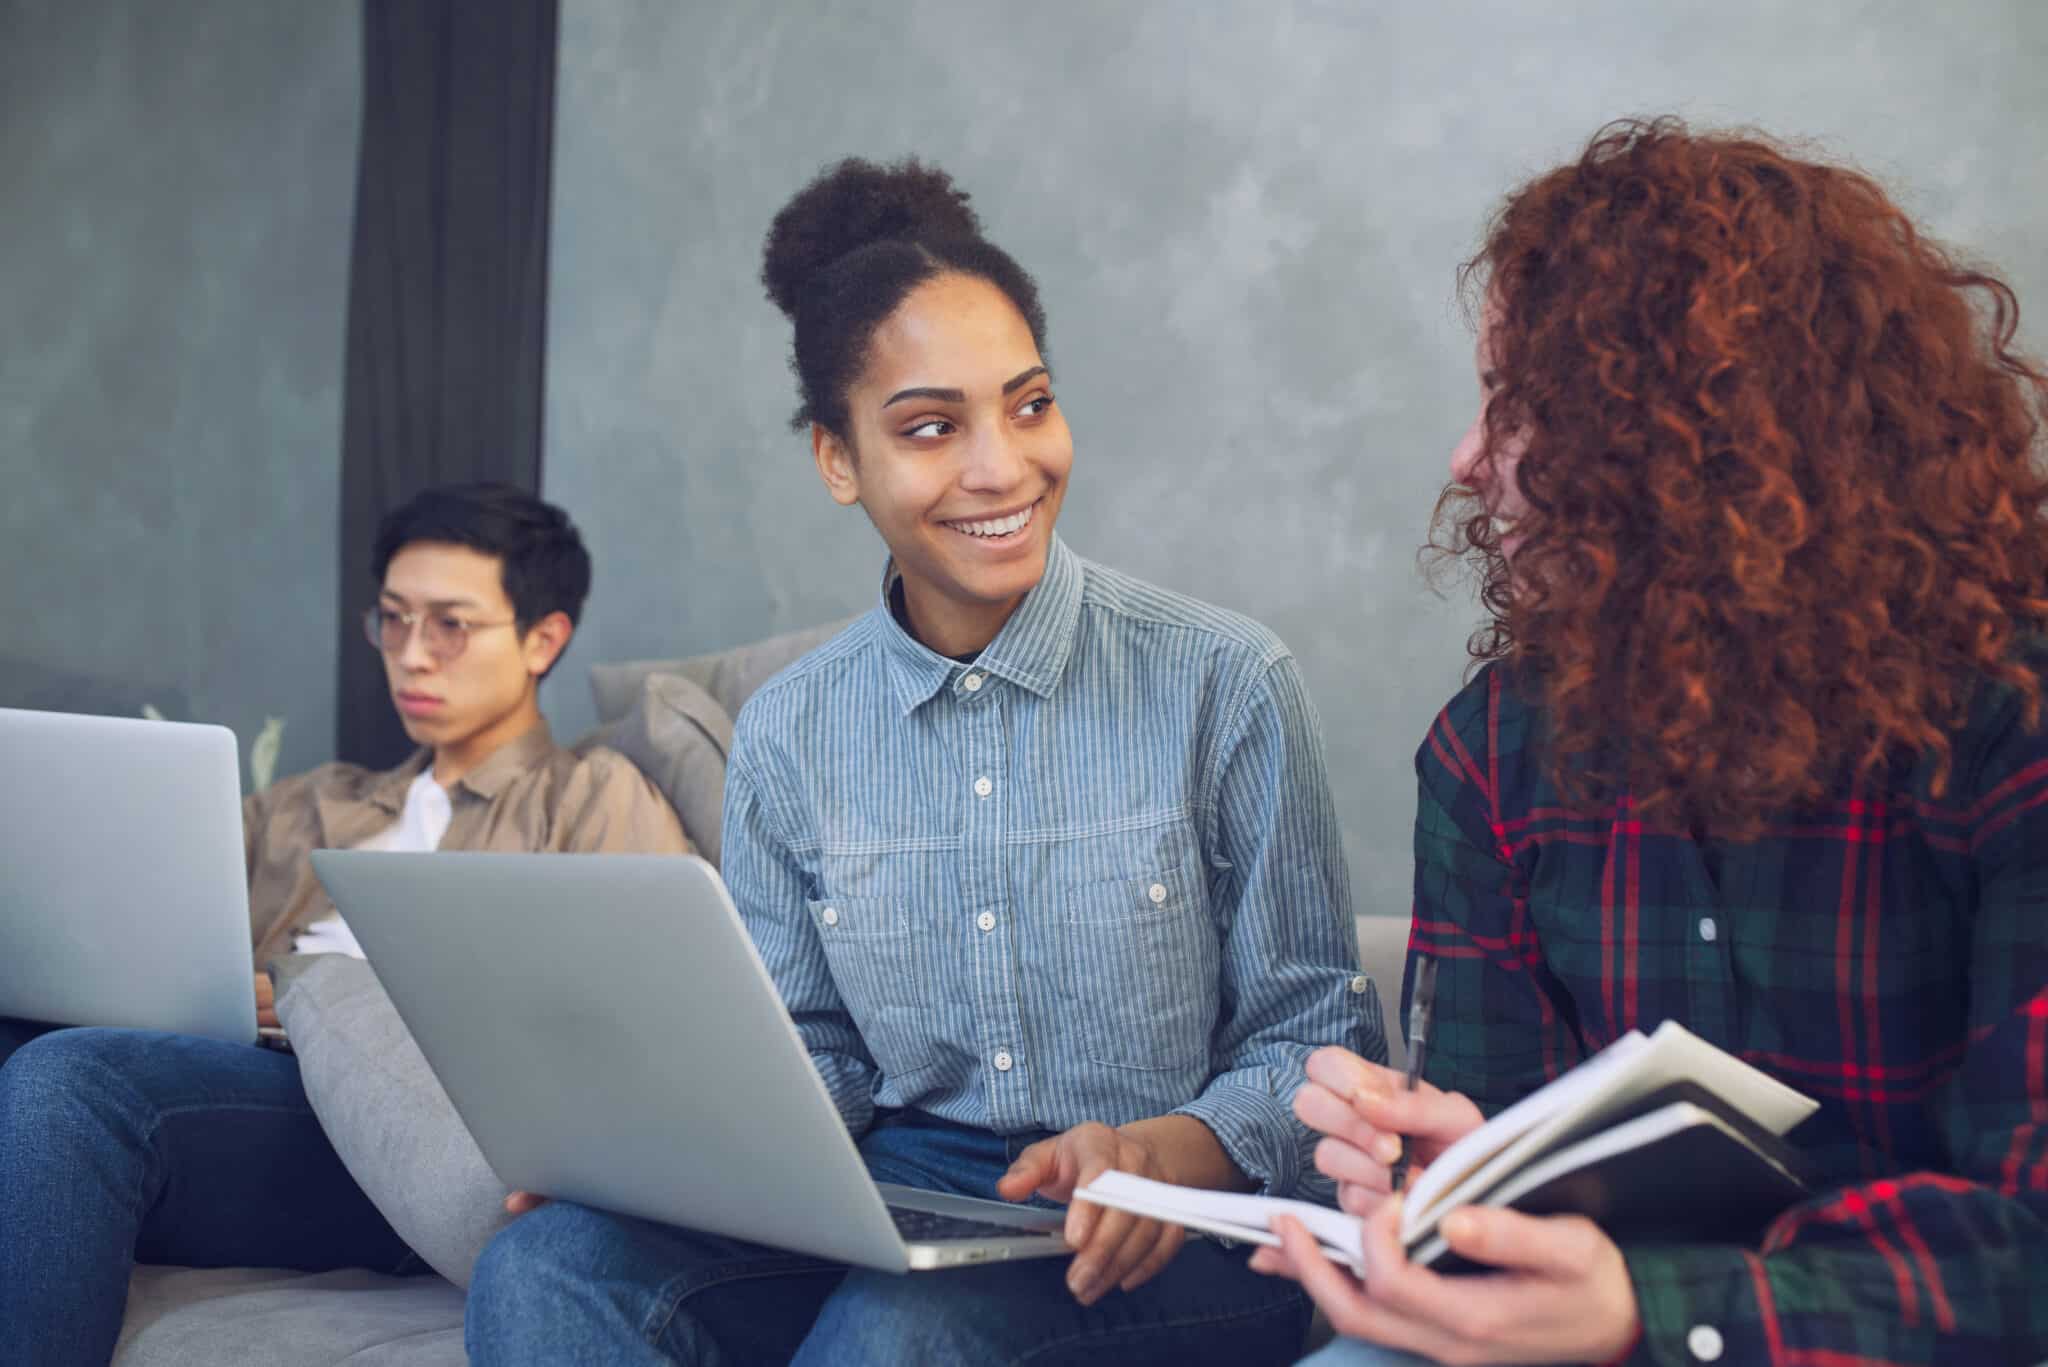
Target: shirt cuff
1697	1305
1257	1129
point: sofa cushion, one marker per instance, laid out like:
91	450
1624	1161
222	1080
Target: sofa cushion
385	1113
678	735
1383	955
192	1317
730	676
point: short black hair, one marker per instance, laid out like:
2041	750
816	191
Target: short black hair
541	559
843	253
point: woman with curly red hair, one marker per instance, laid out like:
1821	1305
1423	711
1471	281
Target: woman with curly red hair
1757	498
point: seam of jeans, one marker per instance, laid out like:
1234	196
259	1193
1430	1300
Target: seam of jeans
164	1113
1295	1302
675	1292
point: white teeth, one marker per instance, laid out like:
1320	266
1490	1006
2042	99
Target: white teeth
1001	526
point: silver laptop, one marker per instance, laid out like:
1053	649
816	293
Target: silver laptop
609	1034
123	895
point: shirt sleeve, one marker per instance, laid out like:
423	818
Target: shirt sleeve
610	807
768	887
1502	1023
1290	980
1945	1266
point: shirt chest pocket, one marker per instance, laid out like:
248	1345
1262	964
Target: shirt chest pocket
1142	964
874	959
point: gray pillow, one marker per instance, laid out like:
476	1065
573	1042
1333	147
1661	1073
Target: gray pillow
730	676
679	737
385	1113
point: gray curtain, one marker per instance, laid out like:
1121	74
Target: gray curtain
447	313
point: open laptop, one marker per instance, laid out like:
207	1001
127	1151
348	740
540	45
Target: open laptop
610	1036
123	895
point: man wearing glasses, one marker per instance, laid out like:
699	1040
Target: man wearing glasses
119	1145
480	587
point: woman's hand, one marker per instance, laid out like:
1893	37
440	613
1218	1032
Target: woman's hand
266	1002
1113	1248
520	1202
1366	1115
1562	1293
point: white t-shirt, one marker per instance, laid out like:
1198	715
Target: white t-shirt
418	830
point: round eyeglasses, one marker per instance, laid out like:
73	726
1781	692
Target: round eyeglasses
444	635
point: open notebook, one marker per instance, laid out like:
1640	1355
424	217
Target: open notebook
1604	1140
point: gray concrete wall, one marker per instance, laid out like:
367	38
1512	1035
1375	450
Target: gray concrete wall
178	181
1245	217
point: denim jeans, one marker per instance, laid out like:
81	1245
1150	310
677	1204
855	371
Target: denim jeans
125	1146
571	1284
1345	1352
15	1033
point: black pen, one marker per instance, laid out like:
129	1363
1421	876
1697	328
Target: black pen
1420	1004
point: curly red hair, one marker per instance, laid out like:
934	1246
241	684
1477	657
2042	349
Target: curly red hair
1785	502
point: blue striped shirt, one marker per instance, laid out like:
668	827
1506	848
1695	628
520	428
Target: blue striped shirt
1094	875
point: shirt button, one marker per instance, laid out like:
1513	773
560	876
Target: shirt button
1708	930
1703	1341
830	916
987	920
982	787
1157	892
1003	1060
1360	983
972	683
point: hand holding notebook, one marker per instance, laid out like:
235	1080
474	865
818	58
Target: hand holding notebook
1600	1141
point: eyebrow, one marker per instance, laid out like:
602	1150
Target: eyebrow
1021	380
433	605
1010	386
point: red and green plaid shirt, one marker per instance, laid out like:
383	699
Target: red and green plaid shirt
1885	953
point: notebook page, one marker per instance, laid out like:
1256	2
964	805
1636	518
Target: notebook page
1231	1214
1618	1078
1476	1150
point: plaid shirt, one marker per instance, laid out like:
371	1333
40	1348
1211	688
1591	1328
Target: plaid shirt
1885	953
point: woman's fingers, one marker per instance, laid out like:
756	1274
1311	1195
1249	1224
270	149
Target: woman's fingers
1346	1163
1326	1112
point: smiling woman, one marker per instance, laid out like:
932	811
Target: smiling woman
1042	860
919	349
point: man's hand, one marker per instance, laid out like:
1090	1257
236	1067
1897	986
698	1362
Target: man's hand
1113	1248
1562	1293
266	1002
1366	1114
520	1202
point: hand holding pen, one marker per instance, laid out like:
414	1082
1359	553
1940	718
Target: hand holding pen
1374	1118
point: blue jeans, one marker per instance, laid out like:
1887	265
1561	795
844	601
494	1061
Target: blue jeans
125	1146
1358	1353
15	1033
571	1284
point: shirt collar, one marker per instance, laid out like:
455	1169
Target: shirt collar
1030	651
387	793
509	761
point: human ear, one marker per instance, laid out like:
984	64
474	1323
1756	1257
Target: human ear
836	465
545	641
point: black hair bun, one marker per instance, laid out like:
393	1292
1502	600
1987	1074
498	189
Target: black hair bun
851	205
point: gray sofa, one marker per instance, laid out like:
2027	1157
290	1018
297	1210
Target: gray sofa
674	719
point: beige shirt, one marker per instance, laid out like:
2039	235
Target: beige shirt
531	796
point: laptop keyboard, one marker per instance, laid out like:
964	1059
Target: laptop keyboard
926	1227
